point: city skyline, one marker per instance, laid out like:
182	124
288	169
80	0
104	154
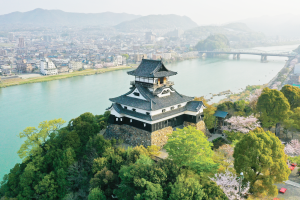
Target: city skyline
219	12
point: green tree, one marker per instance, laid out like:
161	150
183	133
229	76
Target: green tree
260	156
211	190
35	138
125	55
292	122
186	188
292	93
212	42
272	107
189	147
140	178
96	194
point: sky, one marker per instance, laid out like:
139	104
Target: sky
203	12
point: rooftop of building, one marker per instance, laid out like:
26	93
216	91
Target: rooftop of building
190	106
152	69
152	101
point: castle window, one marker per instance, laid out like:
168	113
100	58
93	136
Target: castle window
147	113
172	108
163	110
117	119
130	120
133	109
136	94
144	124
125	107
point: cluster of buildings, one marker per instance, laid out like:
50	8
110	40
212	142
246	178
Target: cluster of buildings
69	49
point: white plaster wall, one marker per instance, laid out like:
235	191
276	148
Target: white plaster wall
137	97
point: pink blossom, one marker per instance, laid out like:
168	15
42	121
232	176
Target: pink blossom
241	124
229	183
292	148
254	97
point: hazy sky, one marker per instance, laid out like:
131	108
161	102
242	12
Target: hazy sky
201	11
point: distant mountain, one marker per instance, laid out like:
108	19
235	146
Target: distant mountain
234	32
158	22
60	18
238	27
287	25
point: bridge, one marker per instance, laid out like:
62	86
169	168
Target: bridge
237	53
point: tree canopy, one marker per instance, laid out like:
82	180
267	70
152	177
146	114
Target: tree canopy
292	93
272	107
260	156
212	42
189	147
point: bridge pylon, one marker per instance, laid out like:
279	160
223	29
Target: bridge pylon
263	58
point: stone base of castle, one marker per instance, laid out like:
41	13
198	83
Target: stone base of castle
135	136
199	126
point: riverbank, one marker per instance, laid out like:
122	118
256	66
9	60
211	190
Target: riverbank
20	81
275	83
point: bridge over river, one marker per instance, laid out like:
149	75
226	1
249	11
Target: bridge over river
237	53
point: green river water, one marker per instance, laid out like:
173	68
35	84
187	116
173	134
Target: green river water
27	105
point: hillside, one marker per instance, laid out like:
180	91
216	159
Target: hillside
158	22
281	25
60	18
234	32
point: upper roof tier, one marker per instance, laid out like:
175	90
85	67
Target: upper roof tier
151	69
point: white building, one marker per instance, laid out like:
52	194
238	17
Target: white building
75	66
119	60
48	67
167	56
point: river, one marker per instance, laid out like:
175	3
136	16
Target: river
27	105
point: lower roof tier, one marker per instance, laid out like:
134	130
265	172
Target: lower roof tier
192	106
151	101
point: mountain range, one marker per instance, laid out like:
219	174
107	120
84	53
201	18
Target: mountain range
41	17
158	22
121	21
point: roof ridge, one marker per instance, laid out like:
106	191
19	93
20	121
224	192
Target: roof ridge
140	89
157	68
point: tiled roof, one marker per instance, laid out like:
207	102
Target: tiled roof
121	110
152	102
194	106
221	114
151	69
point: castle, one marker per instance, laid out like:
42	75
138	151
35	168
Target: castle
152	108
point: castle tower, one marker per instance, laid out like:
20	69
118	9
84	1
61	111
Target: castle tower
152	107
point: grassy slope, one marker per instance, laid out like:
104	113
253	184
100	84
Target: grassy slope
18	81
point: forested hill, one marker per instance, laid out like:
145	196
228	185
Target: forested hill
158	22
234	32
60	18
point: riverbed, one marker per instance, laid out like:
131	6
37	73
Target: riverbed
27	105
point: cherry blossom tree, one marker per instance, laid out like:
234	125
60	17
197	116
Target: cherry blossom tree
224	156
254	97
241	124
292	148
229	183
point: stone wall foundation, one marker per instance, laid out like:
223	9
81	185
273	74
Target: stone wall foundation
199	126
135	136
